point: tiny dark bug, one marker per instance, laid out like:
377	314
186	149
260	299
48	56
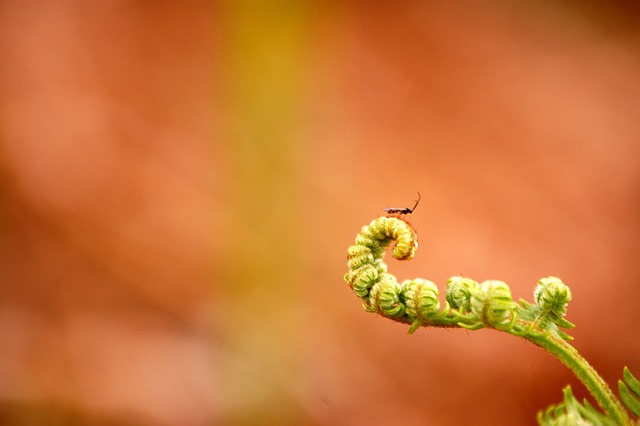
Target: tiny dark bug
406	210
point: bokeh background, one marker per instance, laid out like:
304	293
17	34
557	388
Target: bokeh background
179	183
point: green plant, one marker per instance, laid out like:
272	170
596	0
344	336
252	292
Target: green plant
471	305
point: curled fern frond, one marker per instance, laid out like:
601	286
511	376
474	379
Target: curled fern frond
487	305
493	305
385	298
546	316
364	258
629	391
553	296
459	291
421	298
423	306
367	275
414	302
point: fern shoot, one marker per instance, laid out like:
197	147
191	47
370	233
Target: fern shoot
471	305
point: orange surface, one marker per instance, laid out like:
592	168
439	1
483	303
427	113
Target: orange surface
181	181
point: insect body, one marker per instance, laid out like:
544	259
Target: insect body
405	210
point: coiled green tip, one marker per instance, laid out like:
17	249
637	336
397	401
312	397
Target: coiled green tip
553	296
468	304
459	291
365	258
493	304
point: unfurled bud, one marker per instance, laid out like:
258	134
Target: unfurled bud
421	298
459	292
385	297
553	296
493	305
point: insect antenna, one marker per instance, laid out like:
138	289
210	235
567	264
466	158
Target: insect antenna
416	204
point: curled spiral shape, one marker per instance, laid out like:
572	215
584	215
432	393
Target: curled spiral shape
366	268
414	301
493	305
468	304
421	298
553	296
459	291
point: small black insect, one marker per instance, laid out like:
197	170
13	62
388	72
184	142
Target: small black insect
406	210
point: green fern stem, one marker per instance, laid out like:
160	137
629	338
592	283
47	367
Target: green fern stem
469	304
595	384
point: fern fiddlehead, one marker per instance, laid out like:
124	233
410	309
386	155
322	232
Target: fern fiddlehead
468	305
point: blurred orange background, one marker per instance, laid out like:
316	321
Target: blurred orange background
180	182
